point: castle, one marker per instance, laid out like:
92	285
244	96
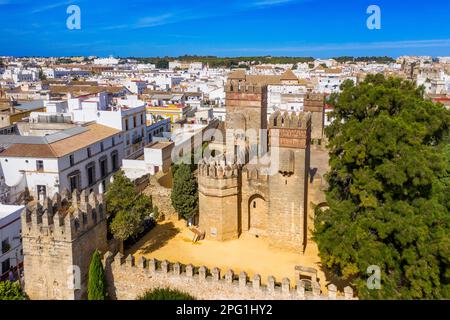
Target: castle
249	196
59	236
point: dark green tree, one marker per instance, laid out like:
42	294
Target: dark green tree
388	194
165	294
96	281
126	207
11	291
184	192
42	76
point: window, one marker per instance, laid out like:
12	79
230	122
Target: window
113	141
126	125
39	165
5	246
90	170
74	180
5	266
142	118
115	160
89	153
71	160
134	121
254	204
42	191
102	147
103	167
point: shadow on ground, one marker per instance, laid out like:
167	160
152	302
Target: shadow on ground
332	278
156	239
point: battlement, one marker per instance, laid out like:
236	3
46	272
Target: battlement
314	102
242	86
255	174
218	168
128	279
65	217
314	96
293	120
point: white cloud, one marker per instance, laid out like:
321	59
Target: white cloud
52	6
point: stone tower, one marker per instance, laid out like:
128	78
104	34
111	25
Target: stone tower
59	237
219	198
289	138
314	103
246	108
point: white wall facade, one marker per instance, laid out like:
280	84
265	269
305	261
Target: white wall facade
10	245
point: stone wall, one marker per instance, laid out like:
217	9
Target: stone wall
161	195
59	236
128	279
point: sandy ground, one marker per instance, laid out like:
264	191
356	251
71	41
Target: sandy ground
171	240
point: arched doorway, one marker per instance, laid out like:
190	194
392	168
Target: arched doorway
257	215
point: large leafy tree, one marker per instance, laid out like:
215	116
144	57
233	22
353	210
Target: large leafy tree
184	192
11	291
389	188
96	281
127	207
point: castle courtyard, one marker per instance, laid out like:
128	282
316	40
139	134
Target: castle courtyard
171	240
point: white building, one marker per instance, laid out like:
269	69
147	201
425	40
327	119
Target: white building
136	86
53	73
127	115
157	157
106	61
84	157
285	97
11	245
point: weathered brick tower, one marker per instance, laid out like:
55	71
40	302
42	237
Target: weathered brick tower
59	238
236	196
219	198
314	103
246	110
289	138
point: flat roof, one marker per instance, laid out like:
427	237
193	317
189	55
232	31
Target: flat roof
159	145
9	213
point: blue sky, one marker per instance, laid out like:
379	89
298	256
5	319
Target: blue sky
320	28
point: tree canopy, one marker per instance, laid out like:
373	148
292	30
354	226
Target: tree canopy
96	280
388	194
185	191
11	291
127	208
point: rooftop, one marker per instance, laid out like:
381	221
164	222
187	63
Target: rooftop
159	145
67	144
7	210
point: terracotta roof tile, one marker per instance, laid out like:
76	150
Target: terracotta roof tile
95	133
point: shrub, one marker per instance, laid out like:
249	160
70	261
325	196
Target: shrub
165	294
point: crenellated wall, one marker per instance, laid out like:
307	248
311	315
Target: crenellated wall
128	279
219	194
315	103
59	237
